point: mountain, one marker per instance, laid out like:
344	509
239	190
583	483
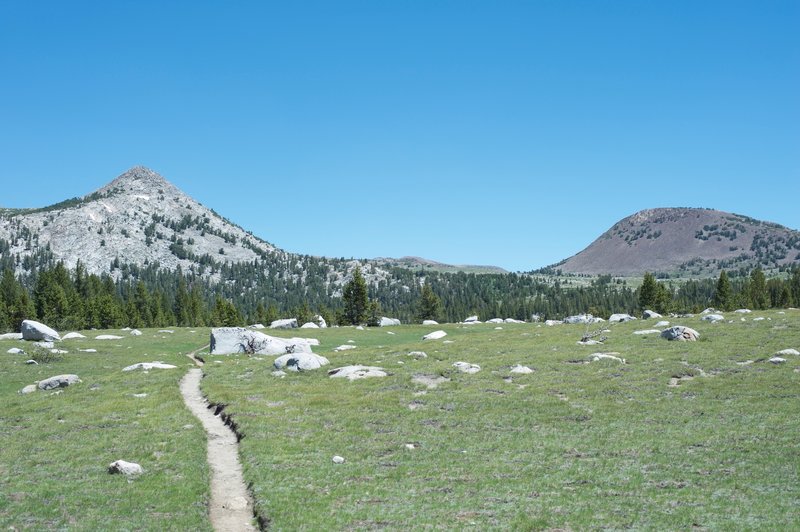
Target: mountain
686	242
421	264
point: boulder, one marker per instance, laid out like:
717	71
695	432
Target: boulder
430	322
300	362
512	320
495	320
713	318
787	352
45	345
581	318
28	389
11	336
521	370
148	366
33	330
388	322
344	347
289	323
471	319
357	372
662	323
743	311
418	354
15	351
72	335
435	335
620	318
59	381
777	360
679	332
648	331
550	323
107	337
257	326
709	311
466	367
321	322
125	468
337	459
606	356
231	340
309	325
647	314
135	332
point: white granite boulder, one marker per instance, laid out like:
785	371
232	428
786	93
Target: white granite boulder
495	320
15	351
72	336
713	318
28	389
125	468
648	331
521	370
388	322
231	340
620	318
787	352
647	314
435	335
581	318
33	330
466	367
300	362
59	381
257	326
595	357
289	323
743	311
679	332
512	320
430	322
11	336
309	325
550	323
148	366
135	332
472	319
107	337
357	372
662	323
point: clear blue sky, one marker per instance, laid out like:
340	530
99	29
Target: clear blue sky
482	132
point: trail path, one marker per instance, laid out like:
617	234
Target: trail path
231	508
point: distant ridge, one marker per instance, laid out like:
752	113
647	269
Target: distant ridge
686	242
419	263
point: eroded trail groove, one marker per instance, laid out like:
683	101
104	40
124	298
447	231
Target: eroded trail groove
231	508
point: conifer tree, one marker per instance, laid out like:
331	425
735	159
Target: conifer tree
355	299
722	295
429	306
758	289
648	293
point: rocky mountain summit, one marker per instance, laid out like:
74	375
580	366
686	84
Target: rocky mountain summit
688	242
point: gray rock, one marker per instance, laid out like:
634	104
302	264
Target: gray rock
15	351
648	331
257	326
679	332
647	314
581	318
107	337
135	332
357	372
344	347
418	354
231	340
787	352
435	335
777	360
662	323
430	322
713	318
471	319
33	330
28	389
743	311
550	323
594	357
309	325
495	320
466	367
31	362
589	341
11	336
72	335
59	381
388	322
300	362
148	366
512	320
337	460
521	370
289	323
620	318
125	468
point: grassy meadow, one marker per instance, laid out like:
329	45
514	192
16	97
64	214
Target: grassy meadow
681	436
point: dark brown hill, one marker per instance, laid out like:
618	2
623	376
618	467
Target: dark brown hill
686	242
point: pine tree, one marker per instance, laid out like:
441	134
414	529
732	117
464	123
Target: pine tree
355	299
648	293
794	287
758	289
722	295
429	306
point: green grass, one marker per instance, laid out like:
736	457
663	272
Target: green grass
578	446
55	448
571	446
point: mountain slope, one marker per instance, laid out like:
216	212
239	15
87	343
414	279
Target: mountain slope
686	241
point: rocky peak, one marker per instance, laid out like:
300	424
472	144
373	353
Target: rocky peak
138	179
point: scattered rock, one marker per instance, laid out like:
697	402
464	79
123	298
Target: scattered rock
135	332
648	331
289	323
430	322
550	323
125	468
337	459
662	324
760	318
148	366
606	356
777	360
709	311
357	372
59	351
679	332
589	342
31	362
59	381
388	322
107	337
231	340
620	318
787	352
418	354
522	370
300	362
472	319
344	347
278	373
11	336
28	389
72	335
140	395
466	367
743	311
33	330
309	325
435	335
512	320
647	314
581	318
495	320
88	350
430	381
411	446
15	351
257	326
713	318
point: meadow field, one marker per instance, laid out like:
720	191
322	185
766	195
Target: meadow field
681	435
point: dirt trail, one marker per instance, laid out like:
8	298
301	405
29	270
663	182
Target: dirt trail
231	508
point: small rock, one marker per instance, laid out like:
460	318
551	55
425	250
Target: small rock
59	381
108	337
148	366
662	324
522	370
28	389
388	322
136	332
360	328
344	347
743	311
15	351
435	335
290	323
300	361
418	354
713	318
466	367
430	381
125	468
648	331
620	318
140	395
681	333
430	322
72	335
31	362
88	350
278	373
550	323
357	372
606	356
337	459
787	352
411	446
471	319
777	360
647	314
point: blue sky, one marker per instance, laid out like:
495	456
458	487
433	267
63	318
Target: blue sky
469	132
